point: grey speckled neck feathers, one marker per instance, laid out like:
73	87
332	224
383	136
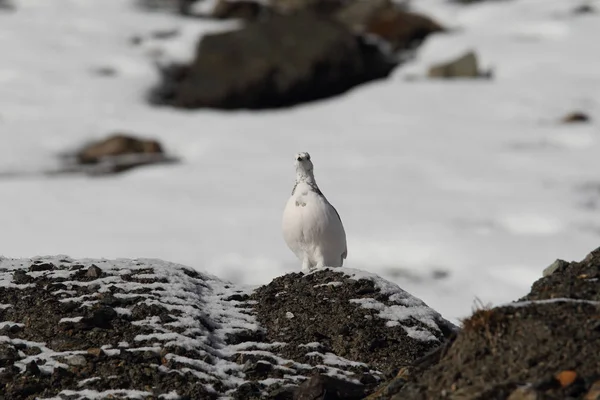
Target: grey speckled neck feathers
312	185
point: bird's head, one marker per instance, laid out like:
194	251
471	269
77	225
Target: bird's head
303	164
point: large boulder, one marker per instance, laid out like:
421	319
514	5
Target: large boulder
279	62
349	313
146	328
544	346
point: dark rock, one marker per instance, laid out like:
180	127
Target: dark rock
10	329
282	393
247	391
576	117
584	9
239	9
323	7
61	376
33	369
20	277
238	297
322	387
41	266
245	336
22	390
101	318
259	370
8	355
287	60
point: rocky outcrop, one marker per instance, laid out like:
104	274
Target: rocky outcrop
544	346
351	314
77	329
279	62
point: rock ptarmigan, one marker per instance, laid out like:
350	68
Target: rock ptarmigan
312	227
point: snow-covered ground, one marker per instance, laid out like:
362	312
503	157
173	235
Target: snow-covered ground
476	178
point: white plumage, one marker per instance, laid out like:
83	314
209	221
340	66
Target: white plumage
312	228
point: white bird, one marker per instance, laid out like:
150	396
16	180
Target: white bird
312	227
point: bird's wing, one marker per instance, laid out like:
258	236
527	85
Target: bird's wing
316	190
345	252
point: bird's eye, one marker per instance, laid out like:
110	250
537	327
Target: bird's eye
308	158
299	159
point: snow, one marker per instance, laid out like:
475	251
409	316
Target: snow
90	394
397	313
73	319
332	359
311	345
122	311
88	380
476	178
550	301
170	396
329	284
